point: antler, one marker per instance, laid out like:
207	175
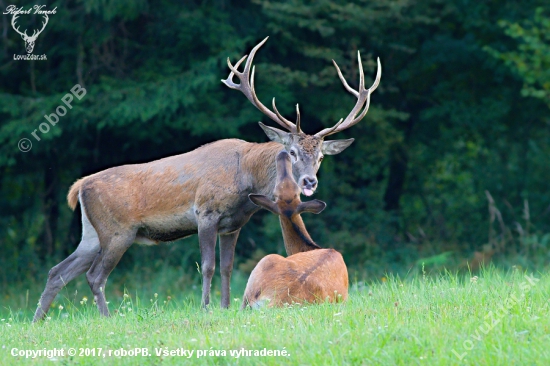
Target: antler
363	98
246	86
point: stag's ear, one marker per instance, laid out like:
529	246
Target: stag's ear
314	206
334	147
263	201
276	135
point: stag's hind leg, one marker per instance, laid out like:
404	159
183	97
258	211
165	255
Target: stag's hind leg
227	255
74	265
115	246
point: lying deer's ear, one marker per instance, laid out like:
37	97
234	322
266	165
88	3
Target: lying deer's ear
275	134
314	206
263	201
334	147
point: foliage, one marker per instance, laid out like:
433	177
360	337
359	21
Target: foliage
448	122
531	60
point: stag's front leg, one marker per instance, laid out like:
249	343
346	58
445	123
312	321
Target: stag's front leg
227	254
208	232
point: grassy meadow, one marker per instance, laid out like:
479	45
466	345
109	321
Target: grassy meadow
490	318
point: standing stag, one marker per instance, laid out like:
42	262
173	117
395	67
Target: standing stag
204	191
310	274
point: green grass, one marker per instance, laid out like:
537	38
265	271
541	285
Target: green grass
495	319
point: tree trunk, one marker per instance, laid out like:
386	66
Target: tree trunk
396	181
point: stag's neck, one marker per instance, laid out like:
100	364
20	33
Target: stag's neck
295	235
259	161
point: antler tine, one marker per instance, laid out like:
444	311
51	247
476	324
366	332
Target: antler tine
361	73
298	130
348	88
291	126
330	131
229	81
378	76
246	86
363	99
246	70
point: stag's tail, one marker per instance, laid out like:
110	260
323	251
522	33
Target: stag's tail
72	197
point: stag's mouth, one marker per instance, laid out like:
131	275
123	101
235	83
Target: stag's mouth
307	191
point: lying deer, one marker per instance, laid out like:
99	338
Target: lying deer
202	192
310	274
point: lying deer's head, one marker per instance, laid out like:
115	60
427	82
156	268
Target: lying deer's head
306	151
287	193
29	40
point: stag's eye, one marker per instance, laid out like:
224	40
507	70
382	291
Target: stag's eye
320	159
292	153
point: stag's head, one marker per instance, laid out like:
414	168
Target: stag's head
287	193
29	40
306	151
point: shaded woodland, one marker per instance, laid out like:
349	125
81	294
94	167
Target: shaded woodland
449	167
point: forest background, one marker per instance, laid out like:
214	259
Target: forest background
448	169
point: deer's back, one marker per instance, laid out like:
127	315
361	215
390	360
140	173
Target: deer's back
166	197
307	276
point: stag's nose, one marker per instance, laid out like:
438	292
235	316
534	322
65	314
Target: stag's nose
310	182
308	185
